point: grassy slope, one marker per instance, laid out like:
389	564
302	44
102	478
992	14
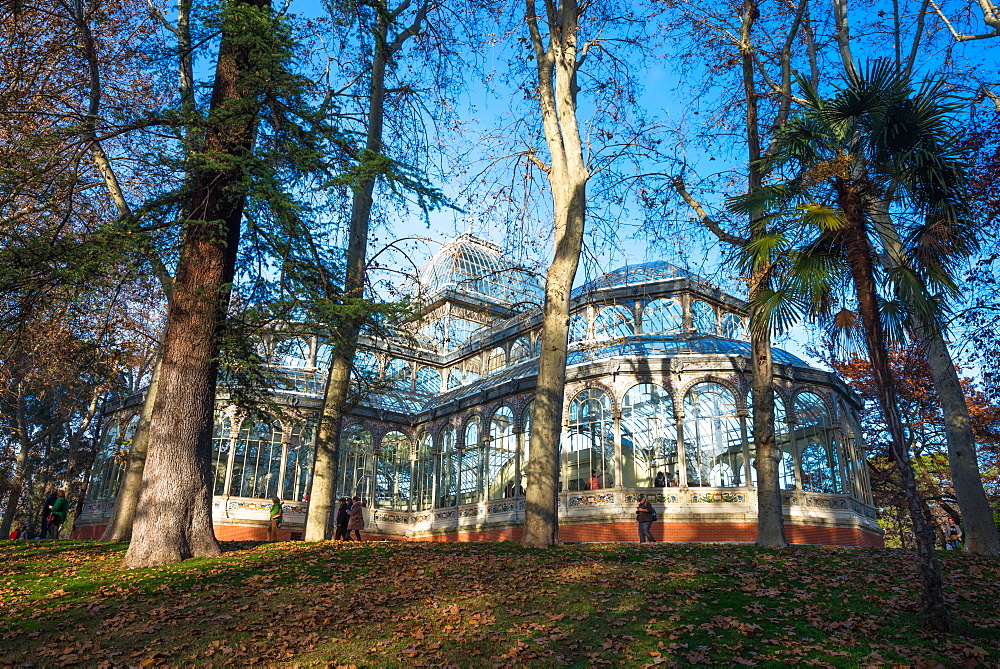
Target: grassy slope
411	604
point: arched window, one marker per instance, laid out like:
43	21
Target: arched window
429	380
392	480
613	323
590	450
731	326
662	315
292	352
525	444
496	360
815	436
577	327
500	462
398	374
423	474
455	377
366	365
702	317
107	466
473	370
470	474
298	462
220	452
356	461
448	468
712	436
520	350
256	460
786	466
649	437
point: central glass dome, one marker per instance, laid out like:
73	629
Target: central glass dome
472	265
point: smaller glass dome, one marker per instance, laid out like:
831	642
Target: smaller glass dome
470	264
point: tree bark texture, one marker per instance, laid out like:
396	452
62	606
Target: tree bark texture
323	488
979	528
568	175
173	520
120	525
770	518
860	257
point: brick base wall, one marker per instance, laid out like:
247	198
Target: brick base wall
693	532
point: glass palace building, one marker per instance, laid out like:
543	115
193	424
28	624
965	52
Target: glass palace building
656	403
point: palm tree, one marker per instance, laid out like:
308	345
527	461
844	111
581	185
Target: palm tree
878	139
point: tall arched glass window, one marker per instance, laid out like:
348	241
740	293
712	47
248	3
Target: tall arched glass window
786	466
731	326
470	473
520	350
500	461
614	322
423	474
398	374
429	380
256	460
662	315
577	327
702	317
496	360
815	437
356	461
649	437
220	452
448	468
590	449
713	442
298	462
525	444
107	465
392	479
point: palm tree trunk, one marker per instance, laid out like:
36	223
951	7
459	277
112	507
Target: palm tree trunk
980	529
860	258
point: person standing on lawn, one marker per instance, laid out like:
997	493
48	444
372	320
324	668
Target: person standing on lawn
644	515
46	510
276	515
342	519
953	535
60	509
356	522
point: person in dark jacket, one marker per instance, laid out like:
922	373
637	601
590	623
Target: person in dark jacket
341	532
644	515
46	510
60	509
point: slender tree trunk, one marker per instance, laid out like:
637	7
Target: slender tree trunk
568	175
120	525
979	528
323	489
860	258
173	520
770	518
14	492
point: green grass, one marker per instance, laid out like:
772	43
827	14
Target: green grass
416	604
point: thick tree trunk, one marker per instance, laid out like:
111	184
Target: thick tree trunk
568	175
860	257
979	528
173	520
120	525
